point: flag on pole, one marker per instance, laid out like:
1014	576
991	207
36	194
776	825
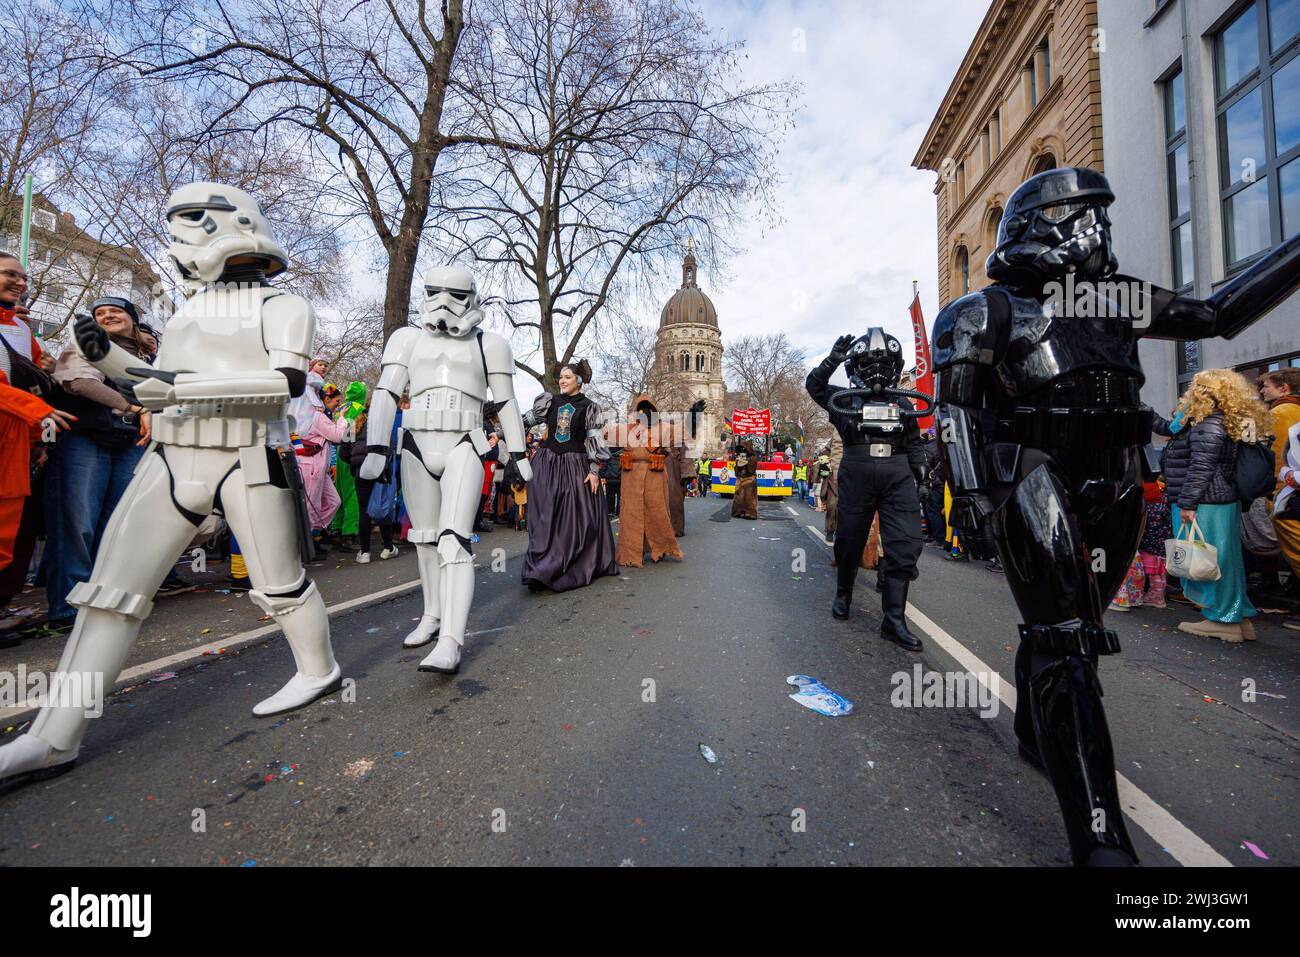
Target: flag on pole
924	369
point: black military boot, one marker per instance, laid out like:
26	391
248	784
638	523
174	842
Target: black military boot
893	604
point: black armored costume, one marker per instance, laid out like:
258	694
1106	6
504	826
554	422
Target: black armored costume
1045	438
883	461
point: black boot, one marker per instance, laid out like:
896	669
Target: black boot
1074	740
840	603
893	604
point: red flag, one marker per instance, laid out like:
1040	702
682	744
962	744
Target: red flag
924	370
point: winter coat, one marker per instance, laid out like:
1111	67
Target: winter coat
1199	463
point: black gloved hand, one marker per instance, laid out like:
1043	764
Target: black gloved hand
840	351
92	339
918	472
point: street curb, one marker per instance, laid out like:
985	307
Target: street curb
238	640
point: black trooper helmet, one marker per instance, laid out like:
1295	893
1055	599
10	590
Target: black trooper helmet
875	361
1055	223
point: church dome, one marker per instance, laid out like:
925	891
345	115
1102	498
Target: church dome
689	303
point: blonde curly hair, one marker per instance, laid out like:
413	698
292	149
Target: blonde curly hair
1245	417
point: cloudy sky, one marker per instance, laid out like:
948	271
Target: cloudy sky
858	222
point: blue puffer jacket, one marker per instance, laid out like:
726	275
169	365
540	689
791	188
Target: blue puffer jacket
1199	463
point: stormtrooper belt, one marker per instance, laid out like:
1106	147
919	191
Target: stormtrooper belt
208	432
442	420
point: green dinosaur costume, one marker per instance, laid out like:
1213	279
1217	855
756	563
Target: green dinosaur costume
348	517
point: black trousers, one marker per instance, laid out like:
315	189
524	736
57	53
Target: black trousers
365	523
877	486
611	496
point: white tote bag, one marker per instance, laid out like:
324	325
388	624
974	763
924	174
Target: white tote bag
1188	555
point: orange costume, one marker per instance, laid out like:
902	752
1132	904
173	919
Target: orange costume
20	429
643	516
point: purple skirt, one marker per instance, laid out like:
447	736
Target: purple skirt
569	539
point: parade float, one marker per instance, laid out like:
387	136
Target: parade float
775	472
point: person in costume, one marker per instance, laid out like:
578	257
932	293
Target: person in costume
1046	442
221	442
347	520
450	365
569	539
644	521
744	503
883	460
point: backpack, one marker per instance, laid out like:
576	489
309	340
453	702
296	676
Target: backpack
1255	471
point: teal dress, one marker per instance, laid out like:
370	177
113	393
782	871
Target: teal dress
1224	600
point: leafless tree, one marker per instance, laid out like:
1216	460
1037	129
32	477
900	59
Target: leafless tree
640	132
767	372
363	86
352	342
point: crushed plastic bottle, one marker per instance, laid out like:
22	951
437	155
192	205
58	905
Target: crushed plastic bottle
815	696
707	753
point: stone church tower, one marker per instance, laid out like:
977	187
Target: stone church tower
688	348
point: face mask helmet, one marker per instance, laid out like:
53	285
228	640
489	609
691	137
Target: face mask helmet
211	223
875	361
451	303
1055	223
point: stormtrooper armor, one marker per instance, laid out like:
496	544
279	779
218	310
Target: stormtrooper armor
448	365
220	444
884	460
1043	435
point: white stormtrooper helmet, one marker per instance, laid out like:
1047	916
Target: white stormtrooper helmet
450	301
209	223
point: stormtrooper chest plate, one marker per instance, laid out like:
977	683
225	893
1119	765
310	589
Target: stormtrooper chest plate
217	331
448	384
1046	345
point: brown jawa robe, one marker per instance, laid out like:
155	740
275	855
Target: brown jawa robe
676	494
744	503
644	523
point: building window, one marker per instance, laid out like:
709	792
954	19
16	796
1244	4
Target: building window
962	271
1032	70
1045	56
699	362
996	132
991	224
1180	201
961	181
684	362
56	294
1043	163
1257	80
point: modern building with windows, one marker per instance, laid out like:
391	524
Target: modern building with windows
1026	98
1201	125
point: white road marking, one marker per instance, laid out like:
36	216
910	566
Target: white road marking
822	538
792	511
1165	829
133	675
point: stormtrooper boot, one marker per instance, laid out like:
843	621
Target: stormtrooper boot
306	626
458	593
28	759
427	629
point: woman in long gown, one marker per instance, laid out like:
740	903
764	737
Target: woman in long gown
644	522
569	539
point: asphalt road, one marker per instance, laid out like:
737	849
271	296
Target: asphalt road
573	733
